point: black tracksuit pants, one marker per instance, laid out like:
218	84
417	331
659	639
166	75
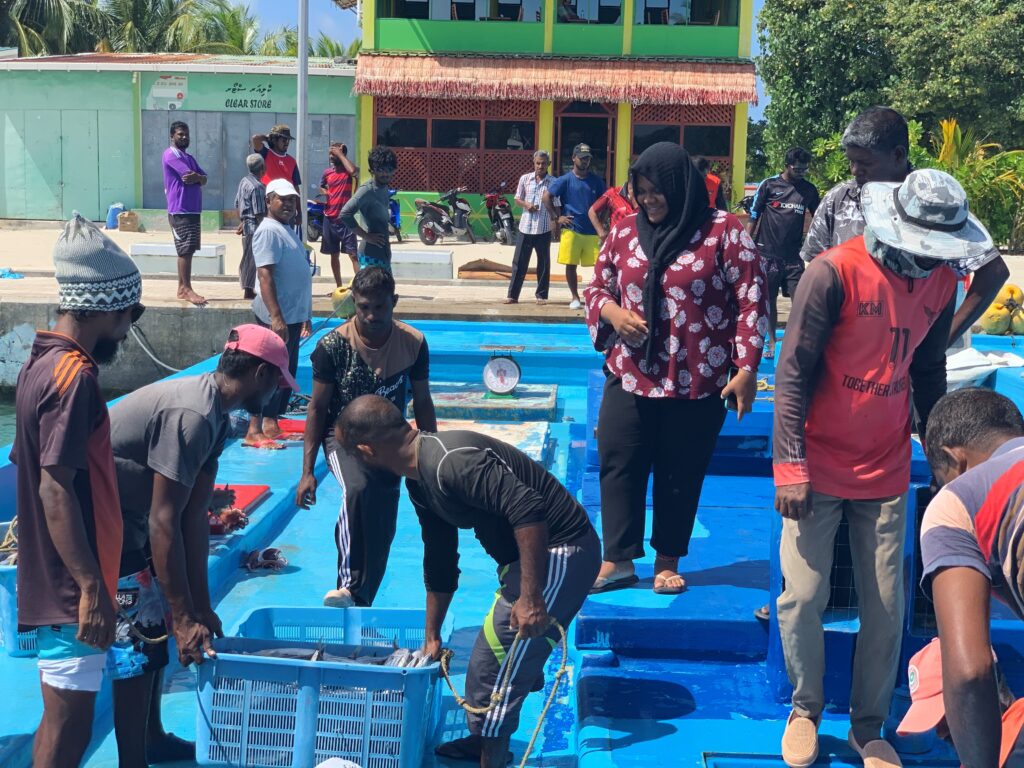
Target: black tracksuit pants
366	522
672	436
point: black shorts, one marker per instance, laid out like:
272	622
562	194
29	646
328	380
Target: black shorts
783	274
187	231
337	238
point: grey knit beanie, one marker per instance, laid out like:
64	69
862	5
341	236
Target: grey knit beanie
93	273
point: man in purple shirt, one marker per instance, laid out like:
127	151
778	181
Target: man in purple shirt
183	185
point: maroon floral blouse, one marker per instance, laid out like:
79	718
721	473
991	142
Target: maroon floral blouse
713	309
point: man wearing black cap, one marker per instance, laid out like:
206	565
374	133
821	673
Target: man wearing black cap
578	190
273	147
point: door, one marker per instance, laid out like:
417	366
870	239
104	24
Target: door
44	192
80	163
587	123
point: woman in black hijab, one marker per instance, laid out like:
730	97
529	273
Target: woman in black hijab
677	305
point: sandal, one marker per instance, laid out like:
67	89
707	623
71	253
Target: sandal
264	445
270	558
612	583
661	583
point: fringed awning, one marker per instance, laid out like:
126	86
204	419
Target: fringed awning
532	78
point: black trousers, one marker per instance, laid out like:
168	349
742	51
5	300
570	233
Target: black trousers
366	522
525	244
279	403
673	436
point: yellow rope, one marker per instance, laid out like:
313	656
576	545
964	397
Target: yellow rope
499	693
10	540
764	386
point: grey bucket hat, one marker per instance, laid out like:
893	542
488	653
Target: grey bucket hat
925	215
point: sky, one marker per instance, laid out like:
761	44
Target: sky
326	17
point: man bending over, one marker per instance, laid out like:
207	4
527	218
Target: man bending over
546	550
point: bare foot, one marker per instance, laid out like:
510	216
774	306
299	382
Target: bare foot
271	429
510	300
187	294
614	576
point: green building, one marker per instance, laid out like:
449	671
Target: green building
465	91
82	132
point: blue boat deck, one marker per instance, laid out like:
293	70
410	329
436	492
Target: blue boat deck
685	680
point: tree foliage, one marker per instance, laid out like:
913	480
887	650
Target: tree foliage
40	27
960	57
758	164
822	62
825	60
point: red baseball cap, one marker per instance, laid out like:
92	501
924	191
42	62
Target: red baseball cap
267	346
925	681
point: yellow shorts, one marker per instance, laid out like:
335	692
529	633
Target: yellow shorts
577	249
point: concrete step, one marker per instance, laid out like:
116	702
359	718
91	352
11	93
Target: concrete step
156	258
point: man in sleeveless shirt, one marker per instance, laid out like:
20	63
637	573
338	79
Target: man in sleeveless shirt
869	329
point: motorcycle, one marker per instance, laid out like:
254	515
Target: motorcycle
395	210
503	223
315	218
448	216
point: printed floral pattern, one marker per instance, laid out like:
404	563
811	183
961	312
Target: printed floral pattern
713	312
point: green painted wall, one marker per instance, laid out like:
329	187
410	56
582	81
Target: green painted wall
483	36
56	159
588	39
685	41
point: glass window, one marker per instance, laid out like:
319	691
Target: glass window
644	135
401	132
463	11
708	140
455	134
412	9
508	134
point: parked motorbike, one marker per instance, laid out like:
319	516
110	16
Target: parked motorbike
503	222
448	216
395	210
315	218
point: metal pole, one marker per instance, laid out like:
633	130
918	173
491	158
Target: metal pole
303	106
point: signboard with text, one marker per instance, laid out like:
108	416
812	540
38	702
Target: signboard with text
215	92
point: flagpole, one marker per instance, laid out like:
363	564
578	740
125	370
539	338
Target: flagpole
303	106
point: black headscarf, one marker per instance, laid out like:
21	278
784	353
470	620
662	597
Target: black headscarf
669	168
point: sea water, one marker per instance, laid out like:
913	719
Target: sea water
6	419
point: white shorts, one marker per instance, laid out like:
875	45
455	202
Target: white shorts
84	673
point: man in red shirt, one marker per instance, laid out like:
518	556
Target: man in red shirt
273	148
336	184
870	328
612	207
69	517
716	198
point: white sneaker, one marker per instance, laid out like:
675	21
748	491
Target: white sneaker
575	304
339	598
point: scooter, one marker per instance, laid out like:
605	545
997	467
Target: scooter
446	217
315	218
395	223
503	223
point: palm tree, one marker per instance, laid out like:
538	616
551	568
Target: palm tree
327	48
283	41
230	29
138	26
50	26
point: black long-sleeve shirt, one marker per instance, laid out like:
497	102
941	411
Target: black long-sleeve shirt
468	480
